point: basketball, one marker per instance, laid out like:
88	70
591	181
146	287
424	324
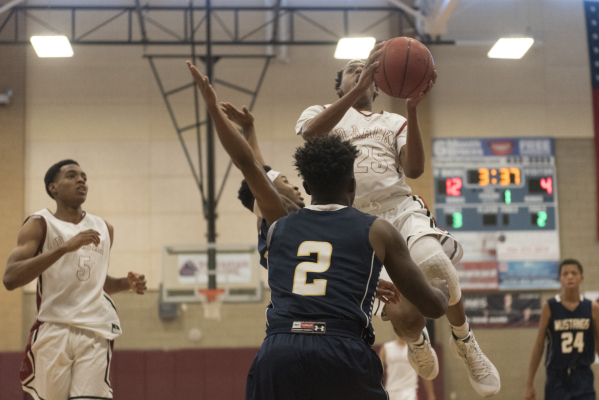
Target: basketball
406	67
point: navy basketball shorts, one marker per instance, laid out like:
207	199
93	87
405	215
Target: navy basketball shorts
314	367
576	384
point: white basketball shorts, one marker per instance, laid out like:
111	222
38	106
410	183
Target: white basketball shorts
414	220
63	362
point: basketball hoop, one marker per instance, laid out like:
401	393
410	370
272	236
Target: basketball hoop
212	300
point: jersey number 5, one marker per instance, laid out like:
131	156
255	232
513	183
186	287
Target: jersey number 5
84	270
567	338
318	287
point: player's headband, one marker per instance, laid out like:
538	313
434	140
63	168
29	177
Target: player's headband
355	61
272	175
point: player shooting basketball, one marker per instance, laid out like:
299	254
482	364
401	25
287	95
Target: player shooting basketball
390	148
68	252
319	331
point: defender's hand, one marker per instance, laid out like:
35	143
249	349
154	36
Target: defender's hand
243	118
81	239
203	83
413	102
367	75
441	284
137	282
387	292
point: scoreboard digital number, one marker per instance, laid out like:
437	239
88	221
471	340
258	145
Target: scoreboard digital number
498	197
504	181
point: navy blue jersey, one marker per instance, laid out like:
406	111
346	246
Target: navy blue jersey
321	266
570	340
262	243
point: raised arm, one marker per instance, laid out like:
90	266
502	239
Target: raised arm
393	252
411	155
245	120
241	153
537	352
324	122
23	265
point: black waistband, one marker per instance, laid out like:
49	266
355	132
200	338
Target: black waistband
317	327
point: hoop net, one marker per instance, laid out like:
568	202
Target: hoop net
212	300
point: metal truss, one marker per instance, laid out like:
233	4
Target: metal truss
161	25
206	26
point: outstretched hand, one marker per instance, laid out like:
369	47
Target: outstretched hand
203	83
413	102
137	282
387	292
243	117
367	76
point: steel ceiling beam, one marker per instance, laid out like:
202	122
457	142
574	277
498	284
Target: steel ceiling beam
180	32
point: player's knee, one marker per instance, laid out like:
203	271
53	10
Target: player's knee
428	253
406	319
410	331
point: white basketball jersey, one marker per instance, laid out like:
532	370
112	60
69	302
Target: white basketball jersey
379	138
71	291
400	374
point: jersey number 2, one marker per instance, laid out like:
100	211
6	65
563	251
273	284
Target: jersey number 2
567	345
318	287
84	270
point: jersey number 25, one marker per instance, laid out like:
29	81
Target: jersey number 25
318	287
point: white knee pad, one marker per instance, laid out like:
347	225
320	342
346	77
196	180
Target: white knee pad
428	254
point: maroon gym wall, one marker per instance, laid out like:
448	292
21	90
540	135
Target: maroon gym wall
194	374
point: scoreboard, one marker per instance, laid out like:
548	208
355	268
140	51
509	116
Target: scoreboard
498	198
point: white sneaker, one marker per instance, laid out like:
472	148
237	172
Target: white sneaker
483	375
423	358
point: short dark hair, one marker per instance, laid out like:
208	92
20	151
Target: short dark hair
326	163
245	194
53	171
569	261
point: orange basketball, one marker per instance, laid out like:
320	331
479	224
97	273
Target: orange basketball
406	67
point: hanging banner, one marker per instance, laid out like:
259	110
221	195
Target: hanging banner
503	310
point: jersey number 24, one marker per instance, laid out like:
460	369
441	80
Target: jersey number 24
318	287
568	337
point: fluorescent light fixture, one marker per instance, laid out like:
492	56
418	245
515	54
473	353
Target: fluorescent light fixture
352	48
52	46
513	48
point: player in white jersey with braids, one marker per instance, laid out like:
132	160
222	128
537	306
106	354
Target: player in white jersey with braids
70	347
390	149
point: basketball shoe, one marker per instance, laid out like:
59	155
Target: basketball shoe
483	375
423	358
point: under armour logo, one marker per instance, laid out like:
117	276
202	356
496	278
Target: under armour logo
309	327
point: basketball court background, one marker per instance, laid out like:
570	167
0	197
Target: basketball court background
103	108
